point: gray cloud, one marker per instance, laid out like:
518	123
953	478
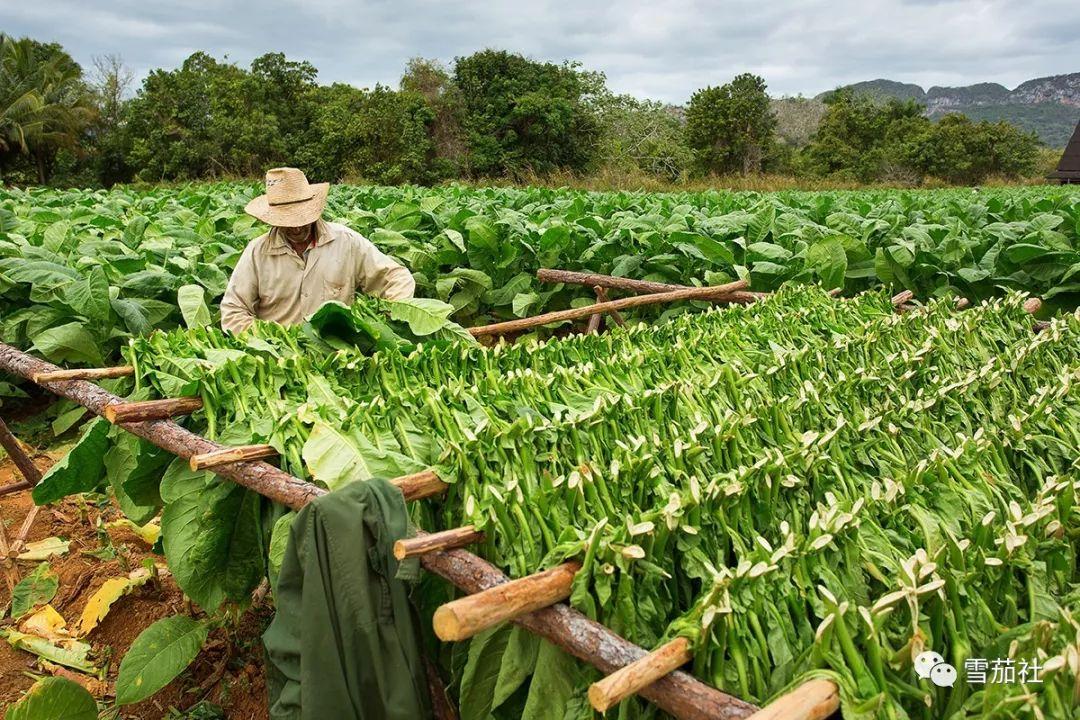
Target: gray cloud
661	49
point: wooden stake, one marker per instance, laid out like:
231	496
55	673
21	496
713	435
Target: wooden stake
605	281
813	700
594	320
127	412
420	485
602	296
445	540
24	530
631	678
22	461
702	293
464	617
1032	305
901	298
15	487
225	456
83	374
963	303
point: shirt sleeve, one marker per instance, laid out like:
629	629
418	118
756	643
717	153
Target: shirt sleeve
379	274
241	301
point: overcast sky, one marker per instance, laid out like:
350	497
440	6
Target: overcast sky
661	49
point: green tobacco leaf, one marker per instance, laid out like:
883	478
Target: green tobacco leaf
81	470
481	674
37	588
192	302
90	296
336	457
212	535
829	261
54	698
518	662
423	315
552	684
160	653
69	343
134	468
279	540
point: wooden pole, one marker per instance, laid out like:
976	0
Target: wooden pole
631	678
1033	305
702	293
679	694
813	700
464	617
15	487
124	411
602	296
84	374
420	485
225	456
424	543
605	281
18	456
594	320
902	297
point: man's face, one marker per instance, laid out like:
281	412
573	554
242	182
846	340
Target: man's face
296	235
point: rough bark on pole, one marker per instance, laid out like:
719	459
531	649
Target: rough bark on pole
466	616
702	293
18	456
594	320
680	694
1033	305
628	680
902	298
813	700
420	485
242	453
124	411
430	542
84	374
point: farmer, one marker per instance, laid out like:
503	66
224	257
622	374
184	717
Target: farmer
304	261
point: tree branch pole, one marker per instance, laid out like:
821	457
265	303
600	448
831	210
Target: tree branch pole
702	293
18	456
679	694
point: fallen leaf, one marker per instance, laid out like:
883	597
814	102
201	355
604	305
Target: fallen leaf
70	653
43	549
46	623
97	607
38	587
148	533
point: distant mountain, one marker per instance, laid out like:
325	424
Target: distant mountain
1049	106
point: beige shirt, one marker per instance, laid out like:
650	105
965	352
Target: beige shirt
272	282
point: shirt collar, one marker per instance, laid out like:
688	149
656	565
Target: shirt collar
280	246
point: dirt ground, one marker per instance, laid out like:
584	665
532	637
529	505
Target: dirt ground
228	672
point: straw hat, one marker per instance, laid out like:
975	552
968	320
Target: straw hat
290	201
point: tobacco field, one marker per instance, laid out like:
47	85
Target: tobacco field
806	486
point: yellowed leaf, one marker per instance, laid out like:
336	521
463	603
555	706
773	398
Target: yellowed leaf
97	607
148	533
46	623
43	549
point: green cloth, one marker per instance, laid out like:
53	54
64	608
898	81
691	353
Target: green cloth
345	642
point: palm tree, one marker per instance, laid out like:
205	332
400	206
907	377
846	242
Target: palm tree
44	103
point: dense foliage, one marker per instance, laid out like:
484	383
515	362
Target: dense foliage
802	486
80	272
491	114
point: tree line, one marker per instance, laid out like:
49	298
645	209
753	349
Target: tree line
492	114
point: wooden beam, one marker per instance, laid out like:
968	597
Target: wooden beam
424	543
813	700
605	281
18	456
464	617
420	485
128	412
630	679
15	487
702	293
227	455
902	298
84	374
679	694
